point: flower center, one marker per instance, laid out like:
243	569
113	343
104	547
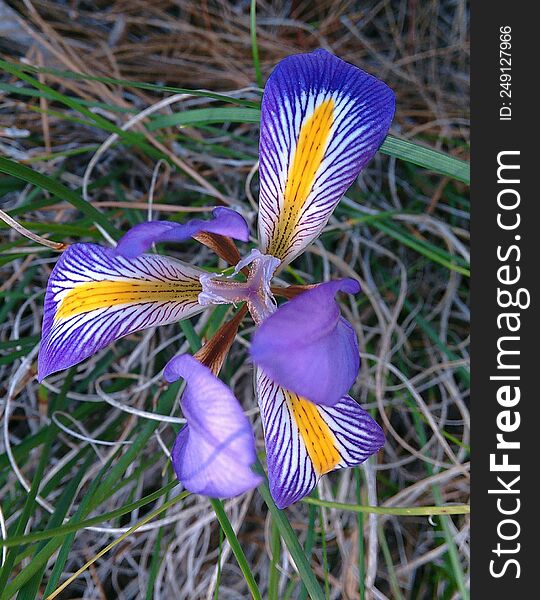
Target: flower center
255	291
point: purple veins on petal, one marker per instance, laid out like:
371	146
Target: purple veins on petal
214	452
322	120
140	238
95	296
307	347
304	441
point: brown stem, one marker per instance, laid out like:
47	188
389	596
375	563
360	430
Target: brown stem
58	246
223	246
214	352
291	291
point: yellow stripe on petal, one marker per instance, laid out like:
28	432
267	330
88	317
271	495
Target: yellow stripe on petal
93	295
322	120
308	156
318	438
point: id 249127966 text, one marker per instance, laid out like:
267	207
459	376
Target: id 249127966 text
505	72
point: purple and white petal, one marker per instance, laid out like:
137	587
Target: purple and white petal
140	238
322	120
94	296
214	452
308	347
304	440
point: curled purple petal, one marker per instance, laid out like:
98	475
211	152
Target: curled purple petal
140	238
307	347
214	452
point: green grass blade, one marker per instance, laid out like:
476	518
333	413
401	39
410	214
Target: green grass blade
427	158
63	530
273	577
361	545
30	590
155	513
43	556
30	502
154	565
291	540
309	544
126	83
221	515
203	116
57	189
435	161
402	511
254	46
423	249
393	580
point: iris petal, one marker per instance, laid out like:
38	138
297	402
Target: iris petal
322	120
94	296
307	347
304	440
213	453
140	238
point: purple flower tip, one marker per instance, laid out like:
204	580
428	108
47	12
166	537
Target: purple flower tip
180	367
350	286
140	238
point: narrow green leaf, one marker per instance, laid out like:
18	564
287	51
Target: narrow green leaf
309	544
450	262
221	515
27	341
207	115
30	502
57	189
254	46
67	542
43	556
63	530
30	590
117	541
157	557
394	584
427	158
275	547
192	338
403	511
361	547
23	91
291	540
125	83
435	161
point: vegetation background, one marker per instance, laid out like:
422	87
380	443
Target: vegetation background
87	496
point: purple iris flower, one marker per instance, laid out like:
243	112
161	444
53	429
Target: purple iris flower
322	121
